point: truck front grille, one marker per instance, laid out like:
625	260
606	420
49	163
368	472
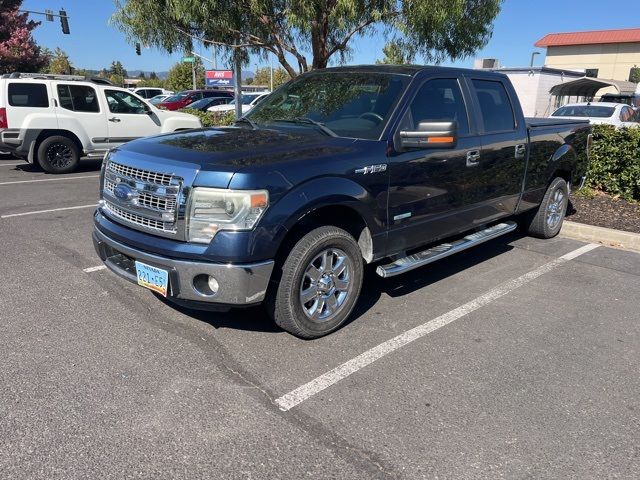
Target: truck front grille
139	174
142	199
139	219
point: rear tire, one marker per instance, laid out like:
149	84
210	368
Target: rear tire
547	221
58	154
319	284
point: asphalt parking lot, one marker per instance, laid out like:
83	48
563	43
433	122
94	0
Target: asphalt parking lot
517	359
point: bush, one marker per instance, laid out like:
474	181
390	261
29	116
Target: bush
212	119
615	161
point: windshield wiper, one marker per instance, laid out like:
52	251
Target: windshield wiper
309	121
253	124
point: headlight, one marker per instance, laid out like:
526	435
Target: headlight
213	209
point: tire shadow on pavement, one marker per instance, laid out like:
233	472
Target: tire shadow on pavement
256	319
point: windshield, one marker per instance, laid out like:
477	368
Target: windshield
176	97
592	111
351	104
203	102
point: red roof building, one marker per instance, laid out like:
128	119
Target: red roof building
607	54
595	37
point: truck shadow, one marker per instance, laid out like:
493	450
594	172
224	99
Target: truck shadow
86	165
255	319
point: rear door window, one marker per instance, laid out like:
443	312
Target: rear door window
495	107
78	98
28	95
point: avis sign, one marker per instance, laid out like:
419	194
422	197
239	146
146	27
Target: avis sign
218	78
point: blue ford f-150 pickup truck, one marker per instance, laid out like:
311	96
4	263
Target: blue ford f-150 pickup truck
397	165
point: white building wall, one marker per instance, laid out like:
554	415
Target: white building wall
532	87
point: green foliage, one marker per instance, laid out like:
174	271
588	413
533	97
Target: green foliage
263	77
212	119
634	75
615	161
117	69
151	82
59	63
180	76
397	52
288	29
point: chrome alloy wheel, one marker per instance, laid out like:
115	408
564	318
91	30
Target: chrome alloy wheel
556	208
59	155
326	284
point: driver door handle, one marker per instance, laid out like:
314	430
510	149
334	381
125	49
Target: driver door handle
114	119
473	158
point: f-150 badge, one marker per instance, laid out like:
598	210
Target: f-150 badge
372	169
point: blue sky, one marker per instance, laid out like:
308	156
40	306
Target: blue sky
94	44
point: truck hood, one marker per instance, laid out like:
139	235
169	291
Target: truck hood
219	153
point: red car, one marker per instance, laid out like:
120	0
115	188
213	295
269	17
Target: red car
184	98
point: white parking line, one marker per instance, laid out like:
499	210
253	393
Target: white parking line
318	384
11	215
49	179
94	269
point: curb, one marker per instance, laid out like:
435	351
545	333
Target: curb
607	236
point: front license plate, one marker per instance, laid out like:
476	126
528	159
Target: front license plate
152	278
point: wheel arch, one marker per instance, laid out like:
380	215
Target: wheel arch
44	134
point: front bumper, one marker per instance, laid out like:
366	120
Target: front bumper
239	285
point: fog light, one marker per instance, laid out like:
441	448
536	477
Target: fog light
205	285
213	285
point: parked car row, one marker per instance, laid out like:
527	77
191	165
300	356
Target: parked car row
53	120
604	113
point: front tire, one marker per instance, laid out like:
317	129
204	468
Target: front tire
58	154
320	283
547	220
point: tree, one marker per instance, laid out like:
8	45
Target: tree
396	53
437	29
634	74
153	76
59	63
151	82
18	50
117	69
263	77
180	76
141	75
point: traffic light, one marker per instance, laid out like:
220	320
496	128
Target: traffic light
64	21
137	49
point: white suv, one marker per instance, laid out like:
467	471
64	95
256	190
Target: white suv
53	120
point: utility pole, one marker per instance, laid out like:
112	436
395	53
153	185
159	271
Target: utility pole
533	56
271	72
193	73
237	87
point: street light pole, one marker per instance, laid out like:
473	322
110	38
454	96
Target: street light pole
533	56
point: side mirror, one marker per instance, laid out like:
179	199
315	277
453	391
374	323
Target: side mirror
430	135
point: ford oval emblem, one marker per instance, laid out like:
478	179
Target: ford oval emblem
123	192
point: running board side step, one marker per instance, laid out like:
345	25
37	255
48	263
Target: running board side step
443	250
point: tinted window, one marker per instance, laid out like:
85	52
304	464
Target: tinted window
351	104
495	106
438	101
28	95
78	98
626	114
584	111
124	102
149	92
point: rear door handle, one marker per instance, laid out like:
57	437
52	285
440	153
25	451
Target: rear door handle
114	119
473	158
521	150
